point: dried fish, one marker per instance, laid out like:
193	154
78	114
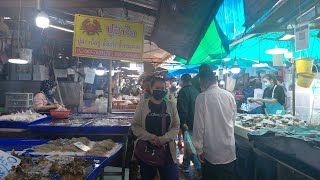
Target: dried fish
27	116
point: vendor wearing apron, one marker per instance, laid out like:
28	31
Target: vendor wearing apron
44	100
273	99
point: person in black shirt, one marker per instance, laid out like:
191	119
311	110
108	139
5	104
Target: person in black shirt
186	105
273	99
147	123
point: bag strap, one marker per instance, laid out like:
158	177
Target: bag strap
164	118
273	91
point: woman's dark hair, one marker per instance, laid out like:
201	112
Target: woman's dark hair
270	77
157	79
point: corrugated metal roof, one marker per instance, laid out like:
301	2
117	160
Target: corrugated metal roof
151	4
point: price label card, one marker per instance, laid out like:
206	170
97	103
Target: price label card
6	163
81	146
245	107
302	37
279	112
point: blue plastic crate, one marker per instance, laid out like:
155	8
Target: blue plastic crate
99	115
19	144
89	129
62	129
22	125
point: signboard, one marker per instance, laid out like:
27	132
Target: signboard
104	38
302	37
6	163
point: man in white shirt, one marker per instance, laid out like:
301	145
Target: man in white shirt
213	131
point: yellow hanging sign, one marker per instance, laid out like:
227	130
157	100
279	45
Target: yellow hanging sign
105	38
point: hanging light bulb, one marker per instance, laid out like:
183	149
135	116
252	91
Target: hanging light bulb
277	50
235	68
17	61
222	82
42	20
100	70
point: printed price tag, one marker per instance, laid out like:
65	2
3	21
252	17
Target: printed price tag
279	112
82	146
6	163
245	107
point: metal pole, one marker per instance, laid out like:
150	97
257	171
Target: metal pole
293	79
110	87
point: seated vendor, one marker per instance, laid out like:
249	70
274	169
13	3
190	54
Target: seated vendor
44	100
273	99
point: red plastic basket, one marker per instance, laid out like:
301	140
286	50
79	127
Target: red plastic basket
60	114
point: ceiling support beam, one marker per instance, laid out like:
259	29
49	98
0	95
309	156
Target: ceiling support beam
67	4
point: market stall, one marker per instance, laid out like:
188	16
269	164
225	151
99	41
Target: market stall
295	148
57	158
269	146
92	125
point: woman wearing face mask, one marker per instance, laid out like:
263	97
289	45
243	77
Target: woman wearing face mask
44	100
156	123
173	90
273	98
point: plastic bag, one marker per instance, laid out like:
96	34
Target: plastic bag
188	145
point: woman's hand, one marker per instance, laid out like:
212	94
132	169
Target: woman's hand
201	158
155	142
56	106
253	100
259	99
185	127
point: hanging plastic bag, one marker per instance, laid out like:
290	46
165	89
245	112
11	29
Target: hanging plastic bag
188	145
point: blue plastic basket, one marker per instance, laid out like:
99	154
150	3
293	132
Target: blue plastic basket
83	113
19	144
89	129
61	129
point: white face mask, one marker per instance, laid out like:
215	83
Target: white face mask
174	84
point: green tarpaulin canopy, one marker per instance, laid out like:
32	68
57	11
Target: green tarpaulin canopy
249	51
210	46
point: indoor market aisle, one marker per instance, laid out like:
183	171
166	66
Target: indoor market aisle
116	169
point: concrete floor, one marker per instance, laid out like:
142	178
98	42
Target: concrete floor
116	169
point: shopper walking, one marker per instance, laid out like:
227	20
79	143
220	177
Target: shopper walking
156	124
173	90
195	81
213	131
186	105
